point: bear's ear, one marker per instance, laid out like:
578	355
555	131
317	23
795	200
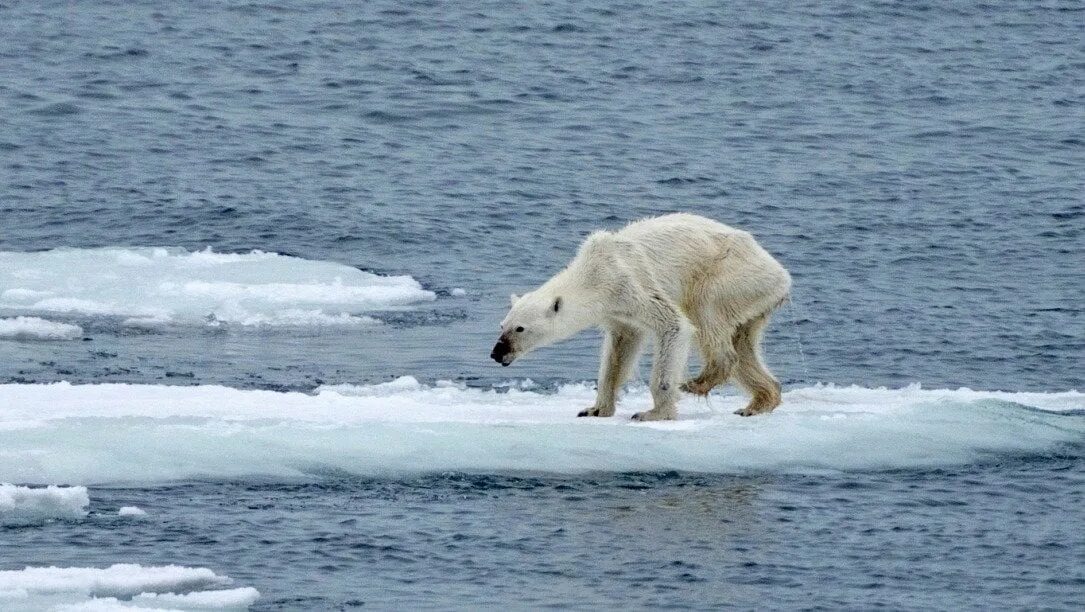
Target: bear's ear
513	298
557	305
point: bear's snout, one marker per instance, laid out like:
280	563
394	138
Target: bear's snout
502	351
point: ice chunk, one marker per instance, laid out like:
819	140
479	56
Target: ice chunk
121	587
153	286
131	511
34	506
34	328
204	600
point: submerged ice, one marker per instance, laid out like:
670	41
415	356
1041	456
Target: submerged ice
145	433
154	286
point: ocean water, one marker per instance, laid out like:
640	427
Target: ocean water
263	250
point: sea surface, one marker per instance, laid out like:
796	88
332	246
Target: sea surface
263	250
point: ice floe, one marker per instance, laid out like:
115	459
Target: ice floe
158	286
36	328
120	587
36	505
150	433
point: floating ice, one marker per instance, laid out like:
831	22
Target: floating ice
120	587
157	286
148	433
34	506
203	600
131	511
34	328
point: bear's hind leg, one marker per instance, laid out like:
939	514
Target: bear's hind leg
750	370
718	355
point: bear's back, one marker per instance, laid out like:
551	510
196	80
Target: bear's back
682	249
675	224
680	238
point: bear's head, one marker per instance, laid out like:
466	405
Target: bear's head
536	319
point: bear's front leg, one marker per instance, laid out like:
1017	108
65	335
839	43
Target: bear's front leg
672	351
620	349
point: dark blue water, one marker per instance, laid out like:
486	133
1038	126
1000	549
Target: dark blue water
919	167
976	538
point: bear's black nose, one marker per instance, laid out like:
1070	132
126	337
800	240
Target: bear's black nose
501	350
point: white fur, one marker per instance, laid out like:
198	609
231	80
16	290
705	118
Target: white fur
681	278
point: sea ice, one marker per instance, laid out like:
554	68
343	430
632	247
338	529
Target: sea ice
156	286
35	328
120	587
205	600
151	433
37	505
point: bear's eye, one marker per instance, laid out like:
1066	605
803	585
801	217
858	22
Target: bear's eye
520	329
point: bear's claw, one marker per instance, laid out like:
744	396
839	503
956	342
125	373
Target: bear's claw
595	411
748	412
695	387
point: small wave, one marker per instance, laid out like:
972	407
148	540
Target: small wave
142	588
148	433
683	180
114	53
57	109
21	506
148	287
568	27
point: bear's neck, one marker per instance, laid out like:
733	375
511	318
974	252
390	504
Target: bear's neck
583	299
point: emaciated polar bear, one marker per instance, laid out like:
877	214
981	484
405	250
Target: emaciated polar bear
677	277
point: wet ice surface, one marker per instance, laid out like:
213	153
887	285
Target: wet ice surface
357	495
94	434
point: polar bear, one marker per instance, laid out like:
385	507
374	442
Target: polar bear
679	277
